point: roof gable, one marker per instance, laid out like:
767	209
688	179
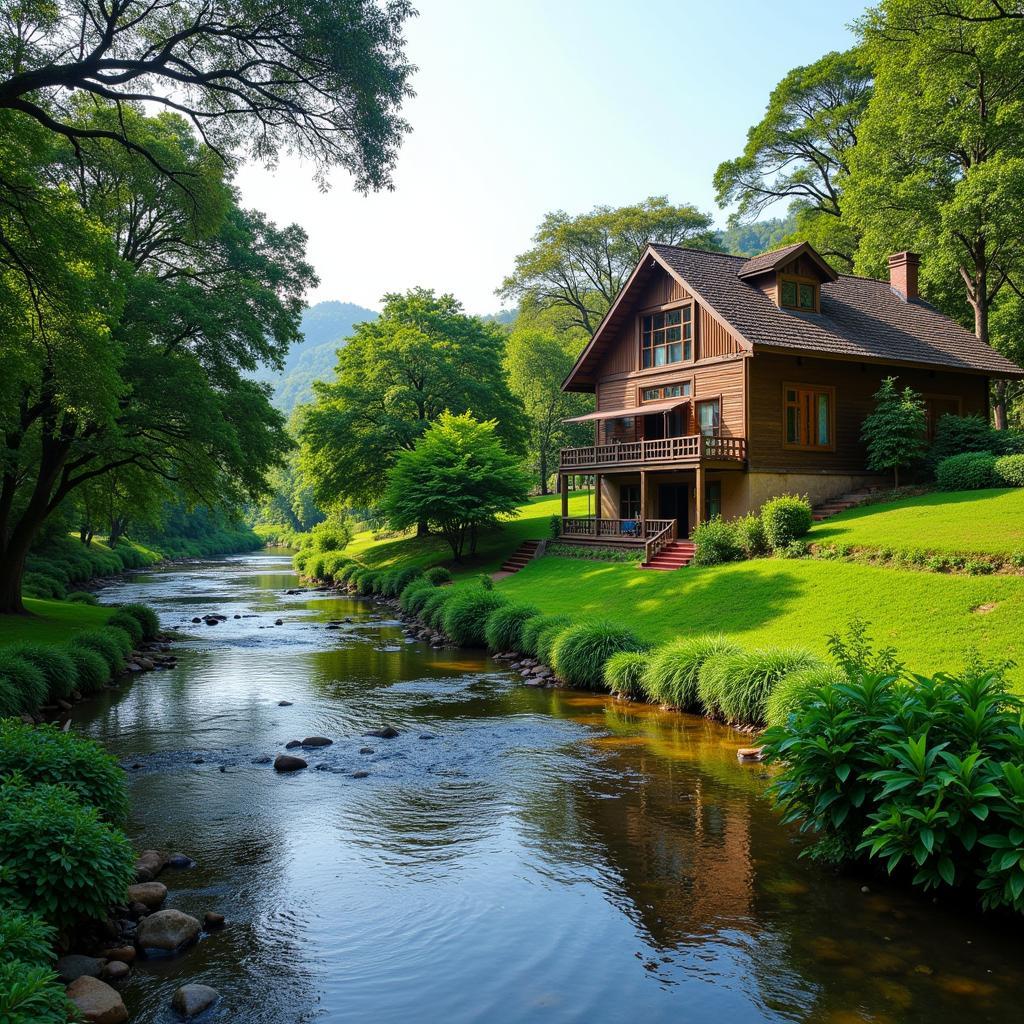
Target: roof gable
776	259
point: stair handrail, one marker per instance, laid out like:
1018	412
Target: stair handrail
661	540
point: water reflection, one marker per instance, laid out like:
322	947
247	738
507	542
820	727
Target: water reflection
514	855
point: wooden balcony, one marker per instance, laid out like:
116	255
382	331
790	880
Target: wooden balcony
689	450
650	534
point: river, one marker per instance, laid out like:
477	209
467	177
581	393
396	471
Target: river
515	855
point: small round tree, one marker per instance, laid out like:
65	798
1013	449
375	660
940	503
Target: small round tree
895	431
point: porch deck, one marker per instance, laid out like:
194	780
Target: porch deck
653	535
692	449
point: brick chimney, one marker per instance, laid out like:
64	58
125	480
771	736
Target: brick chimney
903	274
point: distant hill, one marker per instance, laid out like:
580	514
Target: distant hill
325	328
758	237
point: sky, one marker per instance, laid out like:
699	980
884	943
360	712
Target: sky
527	106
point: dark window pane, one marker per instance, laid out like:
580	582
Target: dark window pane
688	350
659	321
687	313
789	293
807	296
647	323
673	334
793	425
672	316
675	353
647	358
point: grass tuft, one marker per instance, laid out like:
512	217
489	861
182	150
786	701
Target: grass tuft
675	668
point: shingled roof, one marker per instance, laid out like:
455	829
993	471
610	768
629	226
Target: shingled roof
860	318
775	258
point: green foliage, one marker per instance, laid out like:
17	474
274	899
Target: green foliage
786	518
555	527
579	653
750	534
414	595
673	677
50	844
438	575
793	688
1009	470
31	994
894	431
107	643
465	615
25	937
23	686
545	640
82	597
736	687
45	754
130	624
146	618
595	553
532	631
716	541
91	669
333	534
855	654
624	674
484	580
504	627
967	472
57	668
955	435
432	612
457	478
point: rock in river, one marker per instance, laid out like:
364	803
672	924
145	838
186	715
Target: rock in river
149	865
149	894
389	732
289	763
97	1002
116	972
212	920
71	968
166	931
292	744
192	1000
317	741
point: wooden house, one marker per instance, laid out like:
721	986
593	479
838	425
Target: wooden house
721	381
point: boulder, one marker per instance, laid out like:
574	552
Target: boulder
192	1000
360	775
750	753
212	920
125	954
289	763
116	972
366	750
284	703
97	1002
180	860
149	894
317	741
388	732
292	744
166	931
71	968
278	622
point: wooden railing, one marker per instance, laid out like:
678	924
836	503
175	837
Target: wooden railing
691	448
616	529
660	541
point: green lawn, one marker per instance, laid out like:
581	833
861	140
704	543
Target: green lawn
50	621
930	618
953	522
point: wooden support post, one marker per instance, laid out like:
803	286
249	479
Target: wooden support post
563	486
643	503
698	495
597	496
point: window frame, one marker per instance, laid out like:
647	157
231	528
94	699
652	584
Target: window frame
652	311
799	279
814	390
685	383
708	400
622	501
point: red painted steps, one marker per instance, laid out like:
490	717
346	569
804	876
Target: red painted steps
677	555
522	554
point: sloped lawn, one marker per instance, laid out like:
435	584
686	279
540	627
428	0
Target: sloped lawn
50	621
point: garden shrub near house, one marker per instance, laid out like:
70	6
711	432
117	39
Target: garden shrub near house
504	627
786	518
579	653
967	472
624	673
465	615
716	541
534	629
736	687
955	435
674	674
1009	470
751	535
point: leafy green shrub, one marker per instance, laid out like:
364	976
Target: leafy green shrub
716	541
38	820
82	597
58	669
1009	470
624	673
406	576
31	994
106	644
555	527
967	472
485	581
45	754
388	583
408	600
92	671
38	584
532	630
24	936
465	615
956	435
675	668
786	518
736	687
751	535
130	624
438	575
793	688
22	685
504	626
146	618
546	638
432	612
578	653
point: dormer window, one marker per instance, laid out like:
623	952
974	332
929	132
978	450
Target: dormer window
798	293
666	337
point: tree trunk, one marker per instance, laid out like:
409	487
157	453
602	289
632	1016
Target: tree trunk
12	569
896	476
118	525
543	472
979	303
422	528
999	404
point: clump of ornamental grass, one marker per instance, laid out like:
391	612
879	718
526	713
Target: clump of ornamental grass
794	688
22	686
439	575
579	653
57	668
92	671
674	673
504	626
624	673
736	687
122	620
146	618
547	626
465	615
407	599
109	642
433	607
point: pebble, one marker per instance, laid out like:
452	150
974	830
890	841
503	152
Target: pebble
317	741
360	775
180	860
116	971
278	622
366	750
292	744
70	968
125	954
284	703
388	732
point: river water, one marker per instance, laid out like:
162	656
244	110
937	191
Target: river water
515	855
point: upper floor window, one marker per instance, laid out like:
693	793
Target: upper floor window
664	391
666	337
709	417
798	293
810	415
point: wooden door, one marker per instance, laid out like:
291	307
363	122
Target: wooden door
674	503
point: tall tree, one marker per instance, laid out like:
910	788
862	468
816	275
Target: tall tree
324	80
578	264
423	356
800	150
939	166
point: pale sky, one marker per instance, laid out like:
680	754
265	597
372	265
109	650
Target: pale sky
525	106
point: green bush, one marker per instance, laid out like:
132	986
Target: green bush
94	866
533	628
624	673
751	535
38	584
23	686
406	576
955	435
736	687
45	754
465	615
967	472
546	638
91	669
432	612
674	674
145	617
408	601
130	624
24	936
786	518
792	689
1009	469
439	575
58	669
32	994
106	643
389	583
716	541
485	581
82	597
347	571
579	653
504	627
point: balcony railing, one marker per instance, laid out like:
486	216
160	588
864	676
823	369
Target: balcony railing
614	529
690	449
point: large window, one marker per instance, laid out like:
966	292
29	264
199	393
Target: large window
666	337
629	501
798	293
713	498
664	391
709	417
810	414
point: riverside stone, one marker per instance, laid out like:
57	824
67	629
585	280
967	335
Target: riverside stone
388	732
97	1002
289	763
116	972
317	741
149	894
212	920
166	931
71	968
192	1000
